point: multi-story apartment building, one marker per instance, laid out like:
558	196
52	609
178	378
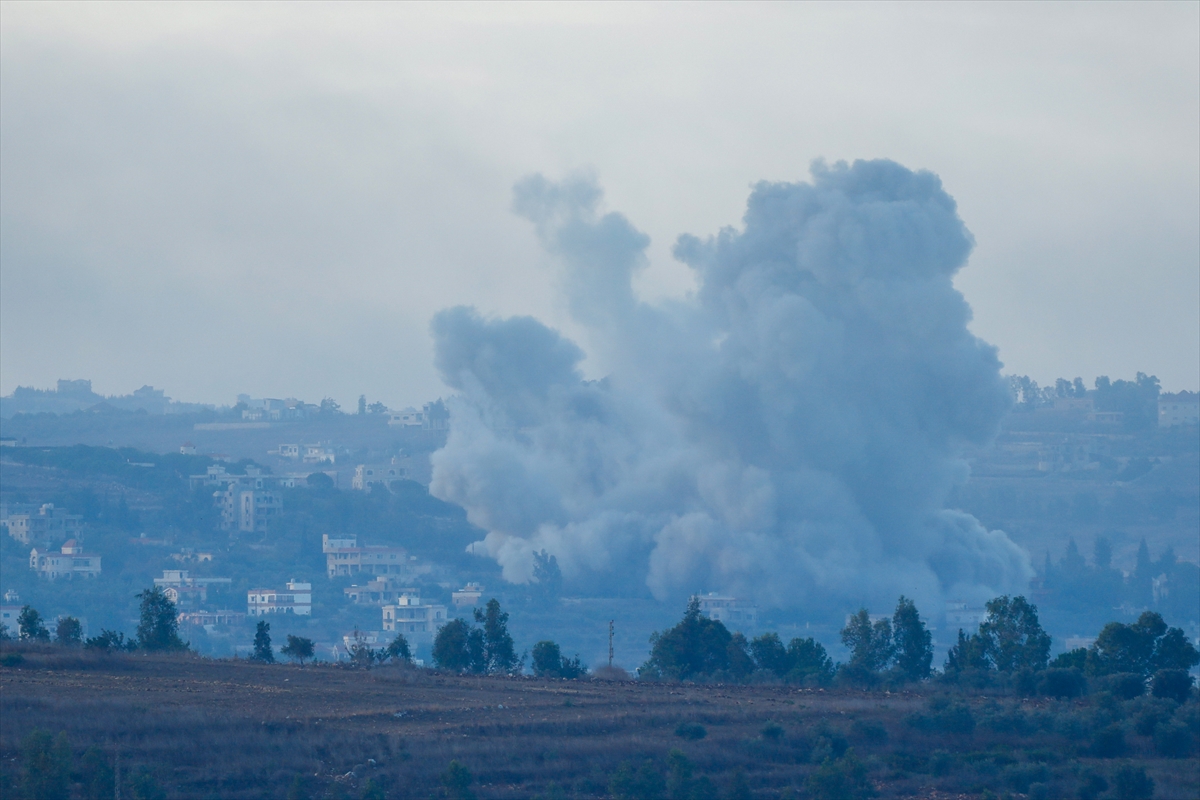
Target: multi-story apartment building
45	525
295	599
343	556
737	614
70	563
408	615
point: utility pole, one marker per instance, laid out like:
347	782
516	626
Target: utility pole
610	635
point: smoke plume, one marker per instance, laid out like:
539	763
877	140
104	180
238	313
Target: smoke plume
790	432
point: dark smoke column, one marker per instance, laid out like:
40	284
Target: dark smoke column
791	432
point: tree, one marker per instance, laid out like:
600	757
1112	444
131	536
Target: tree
913	642
547	577
808	661
770	654
741	664
4	633
549	662
46	772
499	652
452	647
377	408
1013	638
329	406
362	405
262	643
361	653
871	646
298	648
695	647
968	653
30	625
158	630
68	632
1141	648
96	775
398	650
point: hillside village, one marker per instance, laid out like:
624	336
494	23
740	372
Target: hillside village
334	534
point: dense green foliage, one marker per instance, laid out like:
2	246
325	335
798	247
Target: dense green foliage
549	662
460	647
262	643
158	629
298	648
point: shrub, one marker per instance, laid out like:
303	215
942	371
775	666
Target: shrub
144	786
1062	682
646	783
1108	742
841	779
945	717
457	781
1172	684
549	662
95	775
109	642
1125	685
1172	739
1132	783
870	732
772	731
398	649
46	768
1091	784
691	731
1019	777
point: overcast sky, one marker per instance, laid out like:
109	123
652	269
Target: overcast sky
275	199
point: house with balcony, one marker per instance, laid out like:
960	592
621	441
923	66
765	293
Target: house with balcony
416	620
69	563
295	599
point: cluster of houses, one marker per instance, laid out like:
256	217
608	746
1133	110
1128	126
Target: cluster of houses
40	526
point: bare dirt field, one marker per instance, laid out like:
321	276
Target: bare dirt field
234	729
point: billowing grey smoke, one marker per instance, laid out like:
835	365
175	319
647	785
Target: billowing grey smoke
791	432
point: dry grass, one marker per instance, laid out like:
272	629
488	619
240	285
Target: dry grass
235	729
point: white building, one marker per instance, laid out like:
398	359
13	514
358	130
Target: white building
1181	408
406	418
185	591
378	591
72	562
467	596
960	616
295	599
408	615
8	616
365	475
343	556
735	613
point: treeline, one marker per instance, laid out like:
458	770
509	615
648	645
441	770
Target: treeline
157	632
1136	399
1009	649
1073	585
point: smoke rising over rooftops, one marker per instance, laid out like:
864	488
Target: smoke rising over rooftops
791	432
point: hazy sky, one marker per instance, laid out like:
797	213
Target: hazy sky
276	199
